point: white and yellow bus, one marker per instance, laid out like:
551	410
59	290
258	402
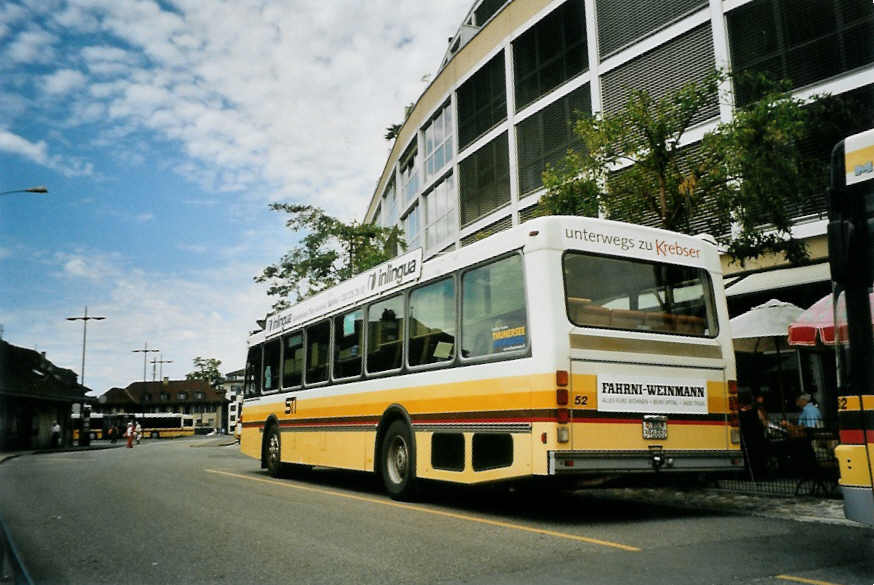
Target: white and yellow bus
562	346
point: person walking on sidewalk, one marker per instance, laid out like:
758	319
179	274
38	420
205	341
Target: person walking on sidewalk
129	434
56	435
139	431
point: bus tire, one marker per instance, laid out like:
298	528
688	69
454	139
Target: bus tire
398	461
273	451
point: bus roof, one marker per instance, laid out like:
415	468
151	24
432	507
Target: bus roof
552	232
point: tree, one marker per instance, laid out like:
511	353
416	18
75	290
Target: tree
206	369
632	166
330	252
391	132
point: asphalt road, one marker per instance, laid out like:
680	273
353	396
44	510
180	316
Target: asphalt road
189	511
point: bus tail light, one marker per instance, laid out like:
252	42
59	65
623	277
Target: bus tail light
563	415
562	377
561	396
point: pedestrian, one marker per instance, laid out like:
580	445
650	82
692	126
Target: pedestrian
56	434
139	431
129	435
753	441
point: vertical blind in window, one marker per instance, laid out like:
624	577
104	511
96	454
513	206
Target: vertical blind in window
801	40
485	180
666	68
621	22
546	136
482	101
550	53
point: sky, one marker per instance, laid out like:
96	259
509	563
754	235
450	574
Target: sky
162	131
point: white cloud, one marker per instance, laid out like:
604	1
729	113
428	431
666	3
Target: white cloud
62	81
38	152
32	46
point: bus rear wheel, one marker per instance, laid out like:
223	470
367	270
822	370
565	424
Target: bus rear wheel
398	462
272	451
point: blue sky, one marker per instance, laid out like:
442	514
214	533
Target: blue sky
162	131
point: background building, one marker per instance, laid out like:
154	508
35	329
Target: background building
233	389
34	393
194	397
468	159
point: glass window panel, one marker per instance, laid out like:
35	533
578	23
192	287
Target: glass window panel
385	332
252	386
348	344
271	365
432	323
494	318
318	352
621	293
293	360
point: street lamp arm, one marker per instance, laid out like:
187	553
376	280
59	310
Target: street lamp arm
37	189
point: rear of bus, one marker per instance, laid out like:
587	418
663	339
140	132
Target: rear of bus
651	385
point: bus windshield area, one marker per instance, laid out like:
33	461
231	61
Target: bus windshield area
623	293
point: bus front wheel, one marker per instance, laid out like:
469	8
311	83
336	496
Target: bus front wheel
272	450
398	462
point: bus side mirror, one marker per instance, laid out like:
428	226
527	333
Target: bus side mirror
839	235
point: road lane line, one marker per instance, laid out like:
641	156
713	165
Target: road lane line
402	506
803	580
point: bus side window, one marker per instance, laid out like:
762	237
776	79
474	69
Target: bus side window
385	330
318	352
252	386
432	323
348	344
292	367
271	365
493	313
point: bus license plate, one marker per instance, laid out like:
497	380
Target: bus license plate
655	427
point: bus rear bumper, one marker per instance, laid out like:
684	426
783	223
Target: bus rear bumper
611	462
859	503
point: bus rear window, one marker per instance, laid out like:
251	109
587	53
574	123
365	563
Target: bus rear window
622	293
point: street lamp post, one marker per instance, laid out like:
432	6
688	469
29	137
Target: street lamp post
38	189
161	361
84	436
145	351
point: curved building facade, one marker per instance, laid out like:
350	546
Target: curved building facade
468	159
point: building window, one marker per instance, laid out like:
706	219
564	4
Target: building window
801	40
182	396
165	396
622	22
438	142
545	137
412	231
147	397
198	395
550	53
409	173
441	217
484	180
482	101
486	10
687	58
389	206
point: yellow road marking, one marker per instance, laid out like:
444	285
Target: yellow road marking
429	511
803	580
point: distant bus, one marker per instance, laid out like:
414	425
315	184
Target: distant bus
153	425
565	346
851	255
165	425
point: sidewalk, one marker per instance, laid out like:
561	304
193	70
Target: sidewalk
800	508
7	455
